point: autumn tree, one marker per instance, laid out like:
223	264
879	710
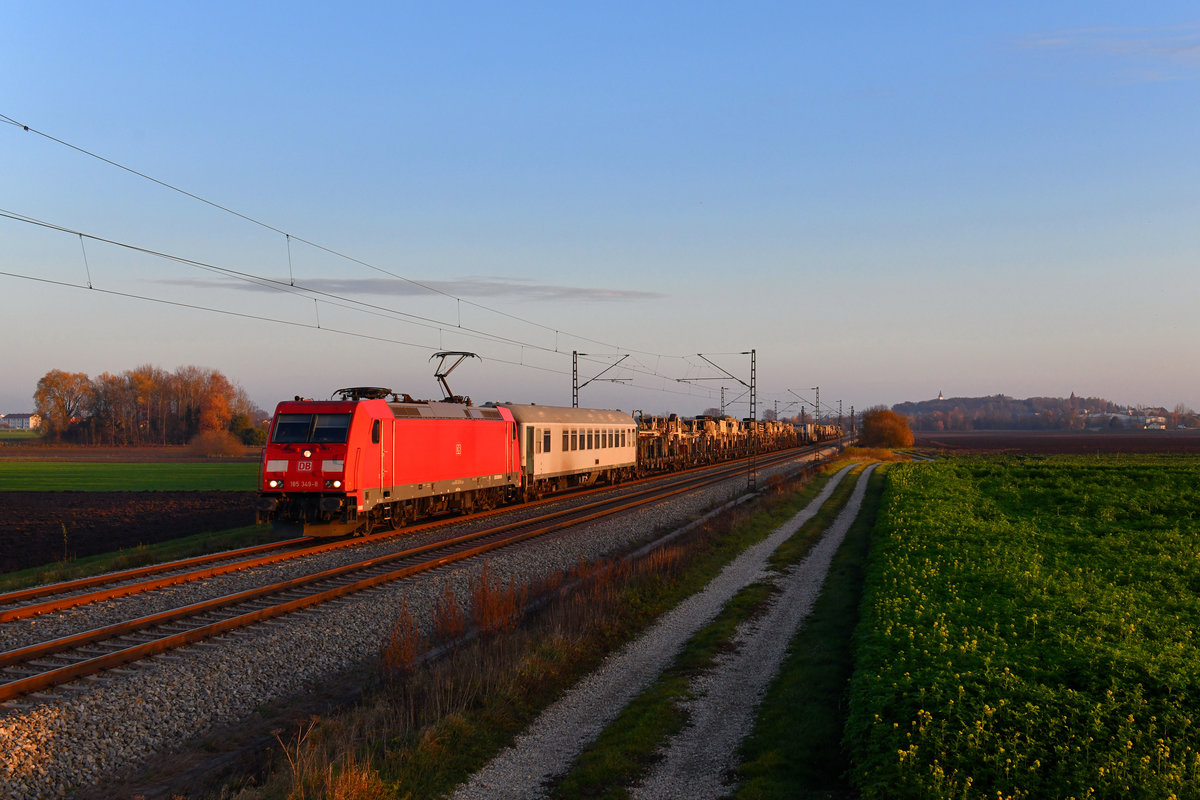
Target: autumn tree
112	407
147	405
884	428
60	398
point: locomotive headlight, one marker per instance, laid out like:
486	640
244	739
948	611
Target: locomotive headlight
308	453
333	484
275	483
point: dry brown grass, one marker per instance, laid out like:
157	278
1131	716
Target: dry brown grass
449	620
403	647
495	607
873	454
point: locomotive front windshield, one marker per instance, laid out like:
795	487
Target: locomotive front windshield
311	428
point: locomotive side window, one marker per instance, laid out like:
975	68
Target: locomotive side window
375	432
546	440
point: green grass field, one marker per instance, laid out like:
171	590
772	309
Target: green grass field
18	436
55	476
1029	630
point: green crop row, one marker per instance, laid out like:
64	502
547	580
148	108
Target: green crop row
1029	631
74	476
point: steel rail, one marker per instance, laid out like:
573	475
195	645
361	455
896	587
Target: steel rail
557	521
62	587
72	601
573	515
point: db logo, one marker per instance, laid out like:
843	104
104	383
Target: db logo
304	466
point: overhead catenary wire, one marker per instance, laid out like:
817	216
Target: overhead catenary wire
439	325
263	318
289	236
293	323
300	290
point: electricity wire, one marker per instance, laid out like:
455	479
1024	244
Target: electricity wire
289	236
368	307
292	323
300	290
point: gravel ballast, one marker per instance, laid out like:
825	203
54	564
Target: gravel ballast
548	748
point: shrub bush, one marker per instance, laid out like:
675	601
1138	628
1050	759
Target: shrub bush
217	444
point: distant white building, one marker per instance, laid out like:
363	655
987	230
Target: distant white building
21	422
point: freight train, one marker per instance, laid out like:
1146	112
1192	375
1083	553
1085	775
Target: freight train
369	457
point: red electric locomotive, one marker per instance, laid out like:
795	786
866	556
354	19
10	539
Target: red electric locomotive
331	467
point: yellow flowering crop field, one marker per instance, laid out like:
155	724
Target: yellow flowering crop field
1029	630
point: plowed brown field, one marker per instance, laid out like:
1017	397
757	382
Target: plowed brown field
41	527
1060	442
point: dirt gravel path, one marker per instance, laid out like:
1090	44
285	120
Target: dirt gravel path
548	748
698	763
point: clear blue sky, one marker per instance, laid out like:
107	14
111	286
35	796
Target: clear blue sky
885	200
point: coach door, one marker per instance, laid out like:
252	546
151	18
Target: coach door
529	434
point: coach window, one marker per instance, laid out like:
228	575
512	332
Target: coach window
566	440
574	438
546	440
537	441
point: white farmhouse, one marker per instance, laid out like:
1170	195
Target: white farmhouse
21	422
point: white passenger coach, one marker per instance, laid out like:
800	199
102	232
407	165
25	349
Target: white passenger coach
574	446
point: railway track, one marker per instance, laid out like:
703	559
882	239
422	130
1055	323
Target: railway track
37	667
50	598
